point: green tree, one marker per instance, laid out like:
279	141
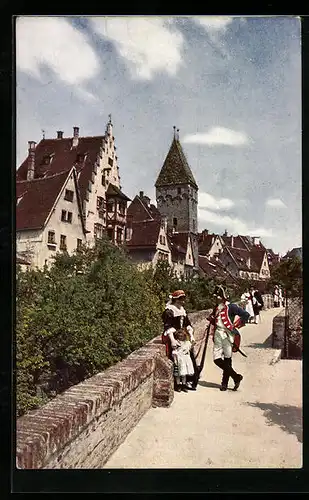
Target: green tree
289	274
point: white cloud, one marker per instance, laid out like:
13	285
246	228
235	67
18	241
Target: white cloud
213	23
53	42
208	201
148	45
218	135
276	203
232	224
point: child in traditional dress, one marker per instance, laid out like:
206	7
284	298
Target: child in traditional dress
183	365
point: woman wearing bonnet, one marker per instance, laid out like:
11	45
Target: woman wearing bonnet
175	318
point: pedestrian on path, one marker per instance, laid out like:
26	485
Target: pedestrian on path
276	296
260	303
247	299
226	338
256	304
174	318
183	365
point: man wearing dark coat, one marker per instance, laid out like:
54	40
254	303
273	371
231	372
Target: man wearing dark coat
225	319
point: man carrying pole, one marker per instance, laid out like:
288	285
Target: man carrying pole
226	338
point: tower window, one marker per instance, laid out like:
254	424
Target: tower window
175	222
110	161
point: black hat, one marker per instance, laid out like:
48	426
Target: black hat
220	291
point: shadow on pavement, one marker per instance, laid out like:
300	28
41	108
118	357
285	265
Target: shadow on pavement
289	418
208	384
267	343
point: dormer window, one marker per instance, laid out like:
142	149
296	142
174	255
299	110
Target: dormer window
46	160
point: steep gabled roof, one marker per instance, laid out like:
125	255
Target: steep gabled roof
215	269
113	190
205	245
138	211
257	254
65	157
239	257
175	168
37	198
145	234
178	247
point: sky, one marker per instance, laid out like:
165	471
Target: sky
232	85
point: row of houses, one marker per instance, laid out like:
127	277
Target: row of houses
68	193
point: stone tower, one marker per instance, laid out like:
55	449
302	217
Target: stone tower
177	193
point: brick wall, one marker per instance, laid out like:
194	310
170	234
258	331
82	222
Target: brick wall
82	427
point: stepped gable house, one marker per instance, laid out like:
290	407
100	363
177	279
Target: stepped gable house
177	195
93	205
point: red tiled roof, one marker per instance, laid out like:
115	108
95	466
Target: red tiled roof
37	199
178	245
239	256
144	234
64	157
215	269
257	254
137	211
205	244
113	190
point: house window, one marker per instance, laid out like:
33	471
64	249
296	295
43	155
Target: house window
79	244
110	161
98	231
110	233
175	222
122	208
69	195
110	206
178	190
66	216
119	236
51	237
100	202
103	180
63	242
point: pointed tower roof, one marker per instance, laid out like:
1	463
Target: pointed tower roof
175	168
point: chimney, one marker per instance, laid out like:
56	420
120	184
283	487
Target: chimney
141	194
232	241
31	160
225	232
59	134
204	234
256	240
75	137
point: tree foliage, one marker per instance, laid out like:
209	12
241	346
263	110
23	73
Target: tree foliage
289	274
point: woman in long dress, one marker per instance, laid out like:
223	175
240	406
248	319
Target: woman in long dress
246	298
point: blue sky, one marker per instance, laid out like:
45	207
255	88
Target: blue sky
232	85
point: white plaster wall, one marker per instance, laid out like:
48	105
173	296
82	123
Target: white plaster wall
36	241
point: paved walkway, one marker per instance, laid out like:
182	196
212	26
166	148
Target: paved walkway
259	426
